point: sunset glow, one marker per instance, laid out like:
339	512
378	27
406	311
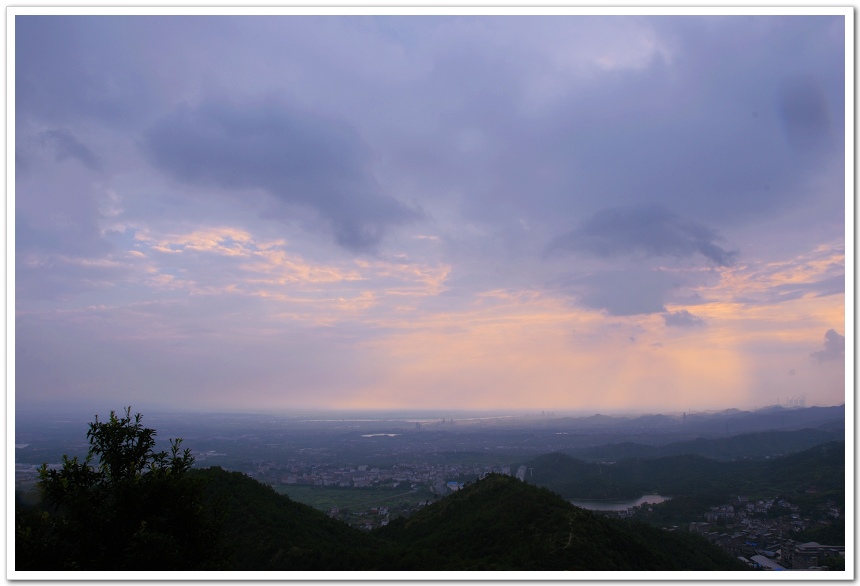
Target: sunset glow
565	213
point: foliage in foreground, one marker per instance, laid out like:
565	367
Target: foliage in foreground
132	509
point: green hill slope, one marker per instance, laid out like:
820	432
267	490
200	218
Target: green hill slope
263	530
501	523
822	466
497	523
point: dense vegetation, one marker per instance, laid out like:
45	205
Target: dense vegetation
809	479
128	507
263	530
821	467
831	534
501	523
134	509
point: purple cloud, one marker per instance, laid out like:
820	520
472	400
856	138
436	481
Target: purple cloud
622	292
834	348
683	319
298	157
650	231
66	146
647	151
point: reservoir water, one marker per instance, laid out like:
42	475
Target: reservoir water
621	505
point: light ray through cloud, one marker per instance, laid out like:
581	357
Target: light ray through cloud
633	213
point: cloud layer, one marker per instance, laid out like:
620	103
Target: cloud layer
650	231
834	347
562	212
297	157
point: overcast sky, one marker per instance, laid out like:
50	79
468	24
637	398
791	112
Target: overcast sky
526	213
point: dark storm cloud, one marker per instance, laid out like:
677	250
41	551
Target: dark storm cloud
805	113
652	231
834	348
683	319
632	292
65	146
46	66
297	157
637	141
79	67
57	210
713	129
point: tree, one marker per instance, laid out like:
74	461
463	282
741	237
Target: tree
135	509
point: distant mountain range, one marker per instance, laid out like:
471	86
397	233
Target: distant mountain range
757	445
713	424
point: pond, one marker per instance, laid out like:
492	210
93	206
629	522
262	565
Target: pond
621	505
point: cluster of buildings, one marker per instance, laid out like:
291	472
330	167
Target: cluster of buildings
430	476
367	520
760	534
743	509
435	476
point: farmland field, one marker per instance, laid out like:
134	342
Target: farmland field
326	497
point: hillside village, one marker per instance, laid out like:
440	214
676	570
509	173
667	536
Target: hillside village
759	532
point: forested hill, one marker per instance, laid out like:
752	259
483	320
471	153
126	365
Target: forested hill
264	530
497	523
501	523
822	466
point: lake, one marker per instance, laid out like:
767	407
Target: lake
621	505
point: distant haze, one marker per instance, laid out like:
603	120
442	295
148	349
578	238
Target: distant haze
510	213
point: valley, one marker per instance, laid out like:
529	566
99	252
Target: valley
763	492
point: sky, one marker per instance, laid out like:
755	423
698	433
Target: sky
591	213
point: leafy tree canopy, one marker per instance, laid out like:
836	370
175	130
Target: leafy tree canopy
133	508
